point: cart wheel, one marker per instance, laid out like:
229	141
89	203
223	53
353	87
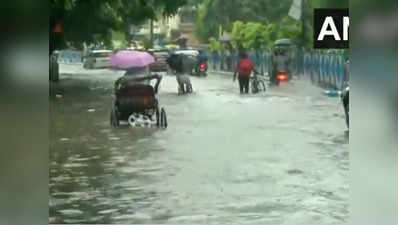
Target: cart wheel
189	88
114	119
254	87
163	118
347	116
157	117
179	90
132	120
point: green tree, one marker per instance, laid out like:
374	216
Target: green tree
337	4
237	34
206	26
214	14
253	35
214	45
271	33
289	28
90	20
146	43
118	40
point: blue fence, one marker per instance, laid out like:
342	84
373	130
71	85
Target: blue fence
323	68
326	68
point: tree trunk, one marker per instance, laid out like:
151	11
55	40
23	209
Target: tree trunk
151	34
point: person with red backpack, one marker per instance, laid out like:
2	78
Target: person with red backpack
243	70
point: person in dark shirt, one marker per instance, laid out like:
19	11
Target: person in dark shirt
179	63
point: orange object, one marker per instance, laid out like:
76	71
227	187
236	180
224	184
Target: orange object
282	76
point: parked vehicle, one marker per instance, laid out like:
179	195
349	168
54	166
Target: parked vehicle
97	59
189	52
160	64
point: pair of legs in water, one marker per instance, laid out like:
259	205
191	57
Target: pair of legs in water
244	84
184	83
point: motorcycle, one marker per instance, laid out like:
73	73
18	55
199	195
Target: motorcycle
279	77
345	99
281	60
201	69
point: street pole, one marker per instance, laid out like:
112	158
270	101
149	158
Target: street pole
151	34
303	35
303	22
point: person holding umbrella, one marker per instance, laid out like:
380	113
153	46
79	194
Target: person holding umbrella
136	65
178	63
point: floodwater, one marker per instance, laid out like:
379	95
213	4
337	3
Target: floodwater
272	158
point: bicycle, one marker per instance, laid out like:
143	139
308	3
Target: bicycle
258	84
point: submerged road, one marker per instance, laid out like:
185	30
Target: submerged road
276	157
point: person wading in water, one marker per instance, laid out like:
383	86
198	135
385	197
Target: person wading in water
243	70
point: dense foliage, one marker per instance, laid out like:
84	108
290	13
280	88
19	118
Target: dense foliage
94	20
253	35
254	24
215	14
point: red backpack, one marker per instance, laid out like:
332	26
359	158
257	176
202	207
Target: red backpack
245	67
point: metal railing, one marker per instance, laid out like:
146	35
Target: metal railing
323	68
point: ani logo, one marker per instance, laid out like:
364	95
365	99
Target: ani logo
331	28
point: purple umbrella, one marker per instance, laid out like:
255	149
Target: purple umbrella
131	59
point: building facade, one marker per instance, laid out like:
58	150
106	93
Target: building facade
180	25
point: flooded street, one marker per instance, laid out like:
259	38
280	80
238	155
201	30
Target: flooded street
272	158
